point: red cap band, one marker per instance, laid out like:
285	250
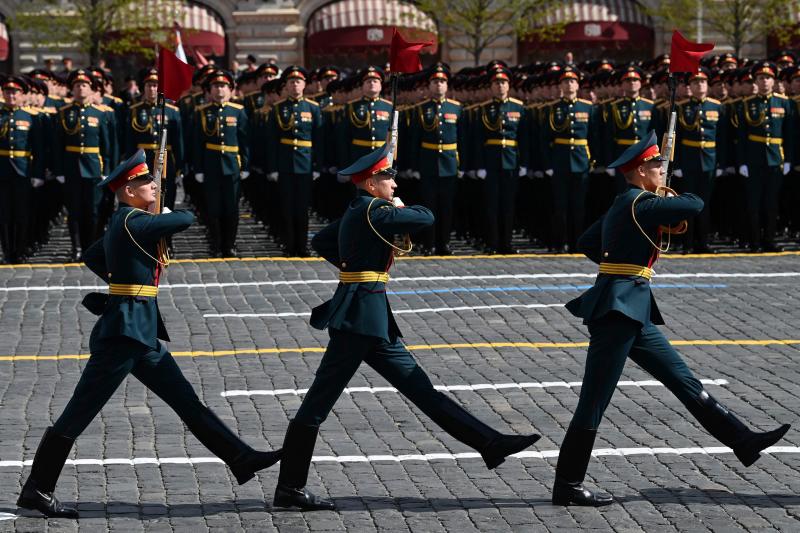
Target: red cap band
647	155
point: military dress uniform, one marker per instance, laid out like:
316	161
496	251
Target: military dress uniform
629	121
499	131
568	132
21	158
125	340
83	154
622	316
221	154
765	143
294	151
698	124
435	156
365	124
363	329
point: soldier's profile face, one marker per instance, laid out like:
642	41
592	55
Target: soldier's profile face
140	192
382	186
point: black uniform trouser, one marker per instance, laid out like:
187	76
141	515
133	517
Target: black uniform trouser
702	184
82	198
111	362
221	193
294	191
438	195
393	362
569	207
500	192
15	209
762	187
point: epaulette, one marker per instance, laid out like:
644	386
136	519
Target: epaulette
65	107
137	104
332	108
115	99
171	106
103	107
310	101
202	106
647	100
55	97
50	110
682	102
516	101
489	101
585	101
32	110
748	98
354	100
384	100
234	105
733	99
454	102
780	95
68	100
188	98
282	100
251	93
714	101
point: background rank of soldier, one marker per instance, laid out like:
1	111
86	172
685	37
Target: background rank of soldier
220	157
699	121
765	144
568	130
499	130
435	137
21	155
294	155
253	100
143	130
83	155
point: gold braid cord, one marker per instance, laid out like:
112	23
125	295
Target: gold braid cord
204	124
695	125
669	230
433	126
557	127
406	238
138	127
762	116
357	122
67	130
492	126
622	125
284	126
162	253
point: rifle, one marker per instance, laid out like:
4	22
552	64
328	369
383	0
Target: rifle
668	149
159	170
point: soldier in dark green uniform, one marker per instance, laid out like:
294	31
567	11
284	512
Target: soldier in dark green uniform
622	317
499	132
435	136
125	341
83	154
362	328
764	151
569	130
294	152
698	124
220	154
21	157
143	130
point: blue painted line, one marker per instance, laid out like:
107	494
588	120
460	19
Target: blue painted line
543	288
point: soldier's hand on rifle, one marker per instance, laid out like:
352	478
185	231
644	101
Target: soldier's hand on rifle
272	176
60	179
786	168
165	210
549	171
199	177
523	171
611	172
37	182
678	173
481	174
397	202
744	171
244	174
315	175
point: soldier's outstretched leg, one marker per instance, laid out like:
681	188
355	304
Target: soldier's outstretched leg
37	493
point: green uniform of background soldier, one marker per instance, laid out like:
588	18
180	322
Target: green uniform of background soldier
622	316
125	341
362	329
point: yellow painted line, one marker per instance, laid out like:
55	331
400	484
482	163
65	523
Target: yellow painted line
421	347
421	258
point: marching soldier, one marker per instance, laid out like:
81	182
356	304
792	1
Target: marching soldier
125	341
622	317
499	131
362	329
82	156
764	148
435	134
699	121
220	160
294	155
21	169
143	130
569	128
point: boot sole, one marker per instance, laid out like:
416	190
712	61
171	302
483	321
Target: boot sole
566	502
748	458
287	504
33	507
494	462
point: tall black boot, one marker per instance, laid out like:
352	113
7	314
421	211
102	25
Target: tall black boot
573	460
243	460
214	237
299	448
466	428
37	493
229	231
730	431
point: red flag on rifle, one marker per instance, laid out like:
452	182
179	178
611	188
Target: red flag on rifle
404	56
685	55
174	76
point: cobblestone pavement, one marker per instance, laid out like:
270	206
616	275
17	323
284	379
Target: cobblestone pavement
491	330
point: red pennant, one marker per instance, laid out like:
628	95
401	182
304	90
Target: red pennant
174	76
403	55
685	55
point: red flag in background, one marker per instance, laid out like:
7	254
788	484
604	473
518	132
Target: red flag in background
174	76
403	55
685	55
